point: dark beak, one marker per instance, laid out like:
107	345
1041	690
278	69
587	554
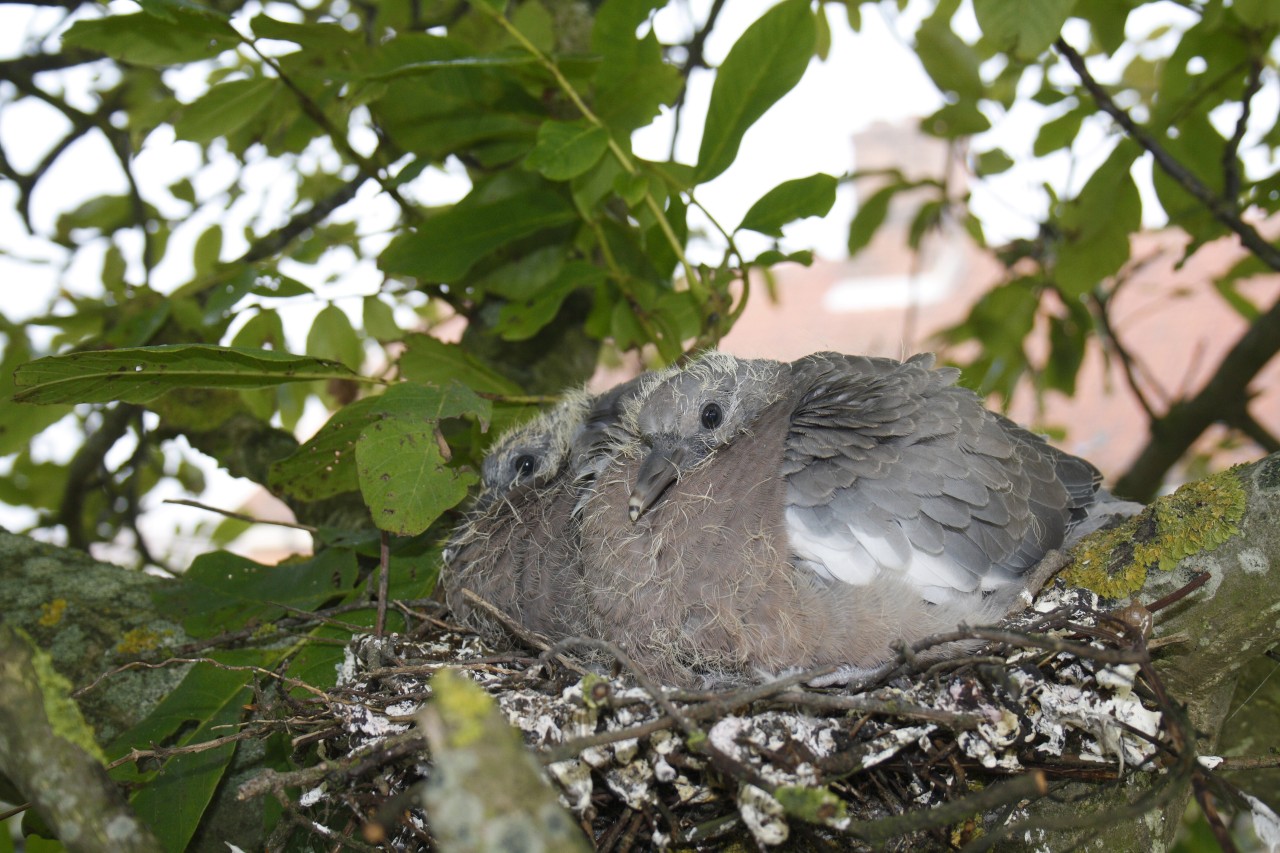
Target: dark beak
659	470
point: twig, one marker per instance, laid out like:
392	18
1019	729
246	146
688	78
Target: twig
240	516
1177	595
1222	210
529	638
1230	167
384	580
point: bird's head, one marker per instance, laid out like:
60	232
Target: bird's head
682	415
533	453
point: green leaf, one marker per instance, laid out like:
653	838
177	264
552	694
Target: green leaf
1060	132
789	201
1257	14
222	589
19	424
949	62
207	250
1096	225
955	120
765	63
993	162
445	247
1024	29
404	476
225	108
380	320
870	217
333	338
633	81
105	214
431	360
326	466
566	149
523	319
141	374
207	704
1107	18
330	37
141	39
1198	148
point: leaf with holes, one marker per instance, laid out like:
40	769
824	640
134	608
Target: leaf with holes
326	465
404	476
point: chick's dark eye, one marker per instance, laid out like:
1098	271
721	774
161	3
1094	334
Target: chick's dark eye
711	415
524	465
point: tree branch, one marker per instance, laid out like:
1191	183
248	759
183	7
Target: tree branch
1186	420
1222	209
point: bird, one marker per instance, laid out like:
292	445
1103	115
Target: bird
761	517
517	547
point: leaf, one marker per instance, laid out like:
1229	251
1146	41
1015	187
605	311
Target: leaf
445	247
141	39
1060	132
762	66
949	62
207	704
325	465
1024	29
105	214
956	120
332	337
1257	14
431	360
789	201
1097	223
222	589
522	320
870	217
403	475
19	424
380	320
566	149
225	108
1107	19
993	162
633	82
141	374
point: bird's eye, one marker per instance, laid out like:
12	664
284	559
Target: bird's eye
711	415
524	465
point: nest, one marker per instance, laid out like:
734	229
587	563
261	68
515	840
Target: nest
928	755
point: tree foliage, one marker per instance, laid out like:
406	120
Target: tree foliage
564	250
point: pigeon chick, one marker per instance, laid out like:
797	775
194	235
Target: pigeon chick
767	516
518	546
515	548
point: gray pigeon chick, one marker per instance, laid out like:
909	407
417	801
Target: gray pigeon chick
769	516
518	546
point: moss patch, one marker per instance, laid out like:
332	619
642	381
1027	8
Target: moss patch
1197	518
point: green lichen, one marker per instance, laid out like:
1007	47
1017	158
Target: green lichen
63	714
463	707
814	805
139	640
51	612
1197	518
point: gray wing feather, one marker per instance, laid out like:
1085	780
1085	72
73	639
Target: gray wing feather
884	456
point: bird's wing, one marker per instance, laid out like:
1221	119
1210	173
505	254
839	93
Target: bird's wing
889	466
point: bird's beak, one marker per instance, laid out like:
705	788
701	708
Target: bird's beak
659	470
